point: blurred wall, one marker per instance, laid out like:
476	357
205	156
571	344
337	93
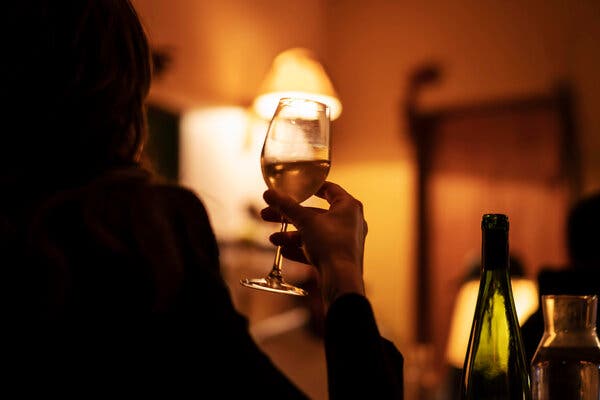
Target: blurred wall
222	49
487	50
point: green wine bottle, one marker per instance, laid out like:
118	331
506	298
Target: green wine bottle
495	366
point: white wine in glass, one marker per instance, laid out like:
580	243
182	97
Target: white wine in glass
295	160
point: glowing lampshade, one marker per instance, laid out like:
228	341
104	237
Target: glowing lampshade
296	73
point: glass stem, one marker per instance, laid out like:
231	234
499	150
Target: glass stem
276	270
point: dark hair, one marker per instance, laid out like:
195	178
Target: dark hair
583	232
79	72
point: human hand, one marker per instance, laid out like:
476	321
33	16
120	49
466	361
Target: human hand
332	240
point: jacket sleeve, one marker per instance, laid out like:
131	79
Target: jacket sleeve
360	363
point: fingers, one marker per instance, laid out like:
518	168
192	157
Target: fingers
332	192
270	214
284	204
329	191
294	254
291	238
291	245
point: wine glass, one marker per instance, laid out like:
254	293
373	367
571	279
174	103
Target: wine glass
295	160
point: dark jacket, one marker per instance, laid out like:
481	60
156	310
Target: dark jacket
114	287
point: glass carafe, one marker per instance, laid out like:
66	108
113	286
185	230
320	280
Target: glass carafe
566	364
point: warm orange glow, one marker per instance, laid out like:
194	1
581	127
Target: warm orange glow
385	189
296	73
525	294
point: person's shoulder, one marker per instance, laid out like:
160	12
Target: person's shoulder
130	192
136	201
138	182
176	191
173	195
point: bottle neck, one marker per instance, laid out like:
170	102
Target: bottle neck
565	313
494	252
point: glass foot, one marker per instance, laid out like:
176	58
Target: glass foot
273	285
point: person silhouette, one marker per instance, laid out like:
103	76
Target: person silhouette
111	281
581	276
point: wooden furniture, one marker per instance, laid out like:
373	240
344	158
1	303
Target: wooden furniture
518	156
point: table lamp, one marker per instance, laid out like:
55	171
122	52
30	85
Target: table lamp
296	72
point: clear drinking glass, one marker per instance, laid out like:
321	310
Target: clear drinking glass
566	364
295	160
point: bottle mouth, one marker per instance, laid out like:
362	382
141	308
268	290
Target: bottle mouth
569	312
493	221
